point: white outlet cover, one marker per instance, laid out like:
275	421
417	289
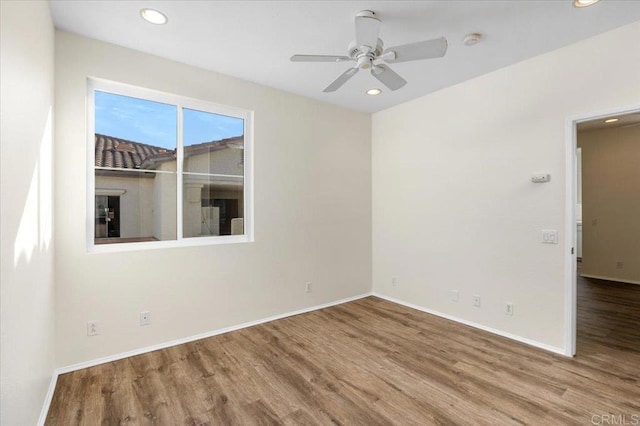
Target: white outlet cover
508	308
455	295
145	318
93	328
476	300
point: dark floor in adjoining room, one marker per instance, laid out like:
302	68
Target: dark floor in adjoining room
608	316
372	362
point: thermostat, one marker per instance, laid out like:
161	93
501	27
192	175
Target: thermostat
540	177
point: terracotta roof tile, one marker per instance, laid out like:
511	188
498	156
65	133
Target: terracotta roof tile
125	154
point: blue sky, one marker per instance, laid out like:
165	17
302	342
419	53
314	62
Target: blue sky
155	124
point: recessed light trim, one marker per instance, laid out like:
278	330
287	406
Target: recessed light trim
611	120
374	92
153	16
584	3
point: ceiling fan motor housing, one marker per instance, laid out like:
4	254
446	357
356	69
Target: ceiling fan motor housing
360	54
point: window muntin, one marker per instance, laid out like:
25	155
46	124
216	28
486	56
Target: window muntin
183	182
212	174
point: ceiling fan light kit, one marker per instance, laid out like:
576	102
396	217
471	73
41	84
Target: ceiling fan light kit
368	52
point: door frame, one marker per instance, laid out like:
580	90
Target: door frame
571	146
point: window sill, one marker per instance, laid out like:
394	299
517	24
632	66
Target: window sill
153	245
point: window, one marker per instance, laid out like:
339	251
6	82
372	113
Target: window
165	170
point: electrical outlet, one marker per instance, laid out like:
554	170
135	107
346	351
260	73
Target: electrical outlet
476	300
309	287
455	295
92	328
619	265
508	308
145	318
394	281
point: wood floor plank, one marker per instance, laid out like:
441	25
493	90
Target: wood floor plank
371	362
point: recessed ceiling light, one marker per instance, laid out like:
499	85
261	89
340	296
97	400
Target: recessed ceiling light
584	3
472	39
374	92
611	120
153	16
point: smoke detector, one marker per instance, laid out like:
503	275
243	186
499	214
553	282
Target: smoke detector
472	39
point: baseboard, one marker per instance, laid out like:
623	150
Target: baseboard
110	358
48	398
475	325
598	277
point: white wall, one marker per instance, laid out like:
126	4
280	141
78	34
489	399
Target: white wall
611	203
312	180
453	205
26	277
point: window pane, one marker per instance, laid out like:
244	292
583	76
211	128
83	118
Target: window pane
151	124
134	206
212	206
213	143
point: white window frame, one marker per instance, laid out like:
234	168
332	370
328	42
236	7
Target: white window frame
180	102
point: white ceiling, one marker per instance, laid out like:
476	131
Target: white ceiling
253	40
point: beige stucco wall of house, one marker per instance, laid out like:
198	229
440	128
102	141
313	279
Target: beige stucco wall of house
136	203
226	161
147	200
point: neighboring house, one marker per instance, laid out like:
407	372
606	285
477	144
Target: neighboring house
136	189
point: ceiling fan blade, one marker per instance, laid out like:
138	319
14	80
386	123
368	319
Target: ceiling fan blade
427	49
319	58
344	77
367	29
388	77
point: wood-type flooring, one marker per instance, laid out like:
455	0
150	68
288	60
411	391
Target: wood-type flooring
373	362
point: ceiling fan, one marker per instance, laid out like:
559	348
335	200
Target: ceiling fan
368	52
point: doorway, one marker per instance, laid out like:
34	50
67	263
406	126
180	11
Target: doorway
107	220
603	268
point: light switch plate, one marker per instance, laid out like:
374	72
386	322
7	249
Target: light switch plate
549	236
